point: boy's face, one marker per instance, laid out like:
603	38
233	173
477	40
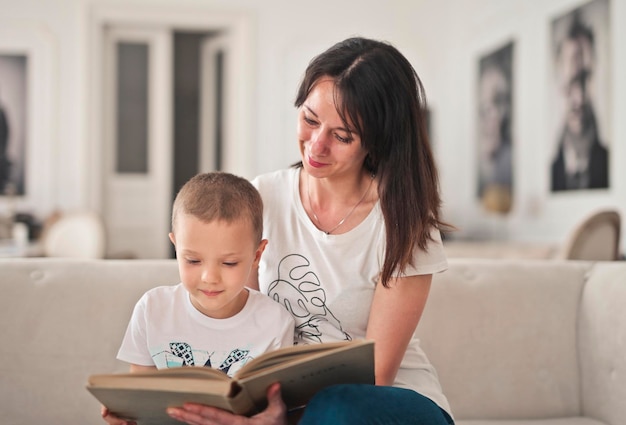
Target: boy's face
215	261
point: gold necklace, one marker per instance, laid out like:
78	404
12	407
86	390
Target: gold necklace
328	232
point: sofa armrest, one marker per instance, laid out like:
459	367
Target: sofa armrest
602	343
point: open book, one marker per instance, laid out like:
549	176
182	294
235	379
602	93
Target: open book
302	370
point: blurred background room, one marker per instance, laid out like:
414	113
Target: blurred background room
108	107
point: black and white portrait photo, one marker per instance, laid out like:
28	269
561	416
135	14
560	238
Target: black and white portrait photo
580	46
13	110
494	144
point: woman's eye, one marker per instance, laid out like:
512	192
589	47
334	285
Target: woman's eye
309	121
343	139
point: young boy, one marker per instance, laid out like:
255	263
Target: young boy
210	318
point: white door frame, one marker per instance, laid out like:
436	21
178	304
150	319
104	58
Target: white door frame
238	156
210	47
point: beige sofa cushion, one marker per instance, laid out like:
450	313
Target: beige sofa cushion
64	321
504	349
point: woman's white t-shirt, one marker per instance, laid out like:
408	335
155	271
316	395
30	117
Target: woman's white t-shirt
166	331
327	281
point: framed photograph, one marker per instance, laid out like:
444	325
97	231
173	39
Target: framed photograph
580	100
27	120
13	130
494	129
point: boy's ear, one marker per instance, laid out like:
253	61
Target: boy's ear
172	238
259	251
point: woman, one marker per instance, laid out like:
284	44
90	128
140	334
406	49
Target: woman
354	236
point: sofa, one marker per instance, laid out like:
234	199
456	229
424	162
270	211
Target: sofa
502	250
515	342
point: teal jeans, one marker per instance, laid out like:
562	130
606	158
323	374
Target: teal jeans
352	404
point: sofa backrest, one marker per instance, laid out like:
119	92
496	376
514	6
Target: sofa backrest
502	335
62	321
509	339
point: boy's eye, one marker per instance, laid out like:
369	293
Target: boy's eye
192	261
230	264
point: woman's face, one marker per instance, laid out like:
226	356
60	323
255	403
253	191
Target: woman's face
327	147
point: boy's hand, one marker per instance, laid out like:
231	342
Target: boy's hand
197	414
111	419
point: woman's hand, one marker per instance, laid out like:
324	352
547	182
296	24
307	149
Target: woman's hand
198	414
112	419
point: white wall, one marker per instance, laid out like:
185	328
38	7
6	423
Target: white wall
470	29
442	39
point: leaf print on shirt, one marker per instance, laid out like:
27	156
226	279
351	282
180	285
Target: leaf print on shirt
298	289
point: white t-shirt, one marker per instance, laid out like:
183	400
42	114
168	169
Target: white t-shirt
166	331
327	281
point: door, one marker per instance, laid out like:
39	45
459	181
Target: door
137	148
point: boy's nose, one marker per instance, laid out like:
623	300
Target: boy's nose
209	274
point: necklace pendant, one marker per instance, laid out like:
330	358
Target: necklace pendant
328	232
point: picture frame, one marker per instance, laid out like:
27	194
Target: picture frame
13	118
27	54
495	88
580	98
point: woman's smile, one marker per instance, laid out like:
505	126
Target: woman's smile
313	163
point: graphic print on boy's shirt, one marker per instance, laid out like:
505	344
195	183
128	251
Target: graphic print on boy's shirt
182	354
298	289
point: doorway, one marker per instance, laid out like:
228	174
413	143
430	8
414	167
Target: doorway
198	104
164	106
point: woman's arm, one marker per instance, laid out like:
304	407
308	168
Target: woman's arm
394	315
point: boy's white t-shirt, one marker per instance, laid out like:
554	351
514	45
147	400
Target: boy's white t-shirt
332	303
166	331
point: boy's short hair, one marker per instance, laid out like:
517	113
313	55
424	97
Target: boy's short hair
220	196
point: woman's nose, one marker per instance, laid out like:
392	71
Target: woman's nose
319	143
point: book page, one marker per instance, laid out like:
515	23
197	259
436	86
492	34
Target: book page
302	377
287	354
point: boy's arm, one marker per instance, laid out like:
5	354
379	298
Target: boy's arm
139	368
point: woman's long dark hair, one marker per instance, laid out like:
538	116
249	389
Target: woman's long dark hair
378	91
